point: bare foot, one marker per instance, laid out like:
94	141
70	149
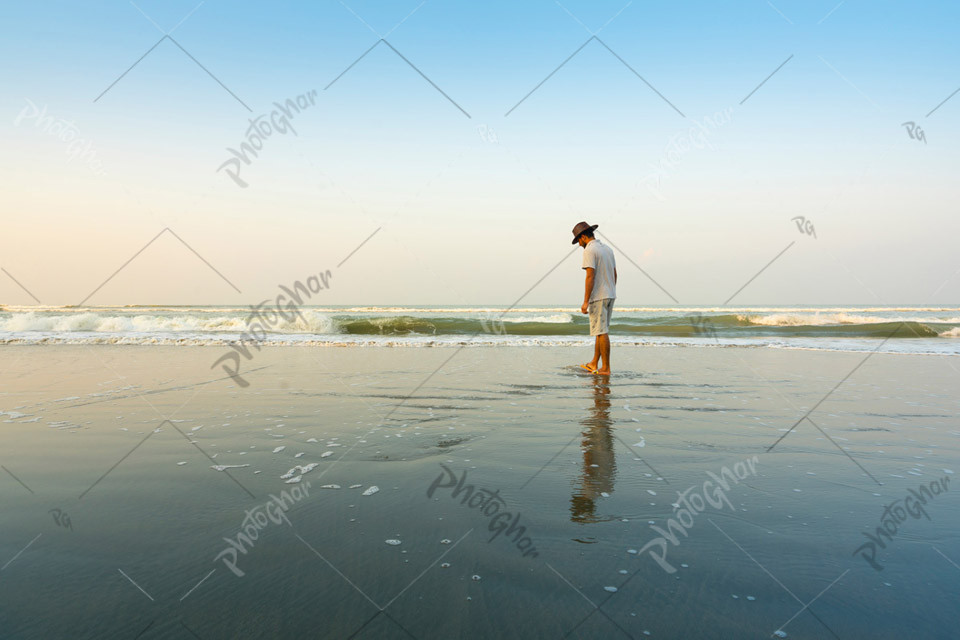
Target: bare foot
602	372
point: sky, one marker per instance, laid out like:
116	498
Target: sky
461	142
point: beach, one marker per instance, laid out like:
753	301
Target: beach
473	492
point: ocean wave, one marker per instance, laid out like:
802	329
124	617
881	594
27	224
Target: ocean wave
309	321
929	347
184	323
794	320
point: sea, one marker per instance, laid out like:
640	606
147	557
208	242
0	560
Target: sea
913	330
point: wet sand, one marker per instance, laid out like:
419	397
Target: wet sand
584	464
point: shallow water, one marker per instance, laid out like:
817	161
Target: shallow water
587	464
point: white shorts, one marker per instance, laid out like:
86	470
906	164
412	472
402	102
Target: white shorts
599	312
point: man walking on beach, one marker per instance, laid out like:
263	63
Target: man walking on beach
599	291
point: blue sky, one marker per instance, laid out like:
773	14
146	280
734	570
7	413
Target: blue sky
474	210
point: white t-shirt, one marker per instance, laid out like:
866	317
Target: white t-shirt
600	258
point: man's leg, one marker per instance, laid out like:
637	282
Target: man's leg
604	337
603	342
596	353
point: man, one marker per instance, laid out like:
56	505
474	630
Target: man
599	292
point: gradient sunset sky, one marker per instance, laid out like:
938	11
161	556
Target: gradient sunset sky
474	188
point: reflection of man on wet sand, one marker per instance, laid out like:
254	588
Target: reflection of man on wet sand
599	464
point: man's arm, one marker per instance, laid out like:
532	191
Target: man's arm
614	275
588	288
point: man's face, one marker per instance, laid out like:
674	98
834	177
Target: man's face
582	240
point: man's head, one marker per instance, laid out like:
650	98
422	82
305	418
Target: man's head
583	233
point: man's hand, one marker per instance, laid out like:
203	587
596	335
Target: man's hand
588	287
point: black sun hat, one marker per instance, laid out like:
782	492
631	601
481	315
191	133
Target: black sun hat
580	228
